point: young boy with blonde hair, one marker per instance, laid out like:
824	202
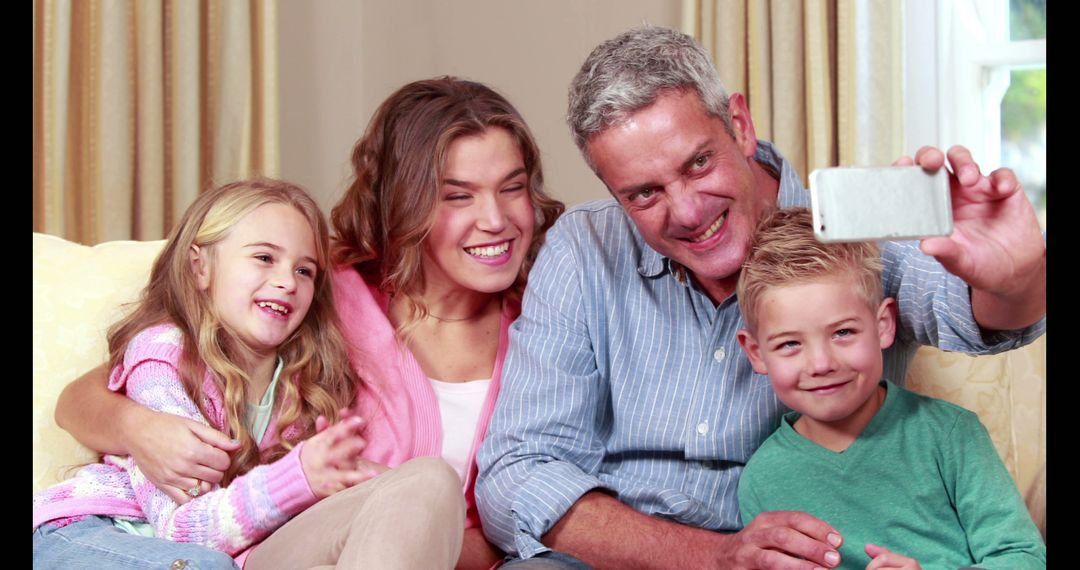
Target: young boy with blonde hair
906	479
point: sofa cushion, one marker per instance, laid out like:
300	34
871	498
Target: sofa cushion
78	293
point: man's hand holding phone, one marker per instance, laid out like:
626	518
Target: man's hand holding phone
995	244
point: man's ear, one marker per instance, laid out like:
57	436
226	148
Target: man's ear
200	267
886	320
752	349
742	125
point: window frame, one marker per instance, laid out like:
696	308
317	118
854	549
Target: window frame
957	62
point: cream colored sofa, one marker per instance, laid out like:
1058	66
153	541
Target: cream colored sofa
78	292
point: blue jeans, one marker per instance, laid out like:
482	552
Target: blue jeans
95	543
550	560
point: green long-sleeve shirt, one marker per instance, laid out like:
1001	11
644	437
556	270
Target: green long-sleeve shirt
923	480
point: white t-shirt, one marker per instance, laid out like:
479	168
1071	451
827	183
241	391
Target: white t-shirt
459	406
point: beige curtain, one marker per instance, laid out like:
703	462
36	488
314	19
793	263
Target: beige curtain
139	105
823	78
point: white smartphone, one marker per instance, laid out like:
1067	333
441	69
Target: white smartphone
887	203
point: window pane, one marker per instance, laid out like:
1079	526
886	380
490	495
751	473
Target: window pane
1027	20
1023	133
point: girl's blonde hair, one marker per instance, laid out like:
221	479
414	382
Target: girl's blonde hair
316	377
388	210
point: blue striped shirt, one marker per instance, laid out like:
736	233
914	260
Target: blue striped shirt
621	376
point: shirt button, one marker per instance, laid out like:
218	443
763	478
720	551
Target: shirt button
178	564
703	428
719	355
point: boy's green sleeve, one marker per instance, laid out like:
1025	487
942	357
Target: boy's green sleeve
749	504
1000	531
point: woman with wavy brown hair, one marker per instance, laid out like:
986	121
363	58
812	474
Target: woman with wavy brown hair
435	237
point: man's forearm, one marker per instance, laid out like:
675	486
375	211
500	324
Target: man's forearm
1022	307
93	414
604	533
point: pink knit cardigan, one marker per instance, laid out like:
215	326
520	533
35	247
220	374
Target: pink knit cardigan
230	519
396	398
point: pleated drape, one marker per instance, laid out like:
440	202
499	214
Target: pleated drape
823	78
141	105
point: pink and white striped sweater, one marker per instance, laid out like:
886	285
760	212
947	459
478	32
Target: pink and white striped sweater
230	519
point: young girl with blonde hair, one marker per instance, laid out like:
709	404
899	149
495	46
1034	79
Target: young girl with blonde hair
237	330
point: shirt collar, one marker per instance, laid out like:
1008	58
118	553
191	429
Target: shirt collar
268	396
791	194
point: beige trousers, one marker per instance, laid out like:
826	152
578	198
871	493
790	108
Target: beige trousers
409	517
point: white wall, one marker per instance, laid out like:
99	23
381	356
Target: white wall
340	58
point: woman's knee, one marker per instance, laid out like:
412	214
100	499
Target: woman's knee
428	480
434	469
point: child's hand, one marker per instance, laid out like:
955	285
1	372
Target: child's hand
331	458
882	558
321	423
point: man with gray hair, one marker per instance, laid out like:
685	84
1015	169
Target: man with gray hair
627	410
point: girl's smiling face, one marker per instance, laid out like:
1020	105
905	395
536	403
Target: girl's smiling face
261	276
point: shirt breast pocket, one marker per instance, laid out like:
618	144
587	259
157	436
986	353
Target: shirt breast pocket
756	416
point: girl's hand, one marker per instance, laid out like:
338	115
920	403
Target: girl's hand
321	423
331	458
882	558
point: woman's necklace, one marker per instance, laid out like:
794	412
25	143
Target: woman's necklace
445	320
474	316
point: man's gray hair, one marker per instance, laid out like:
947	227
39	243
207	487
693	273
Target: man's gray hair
629	72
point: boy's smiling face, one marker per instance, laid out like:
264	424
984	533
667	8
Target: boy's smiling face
820	343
